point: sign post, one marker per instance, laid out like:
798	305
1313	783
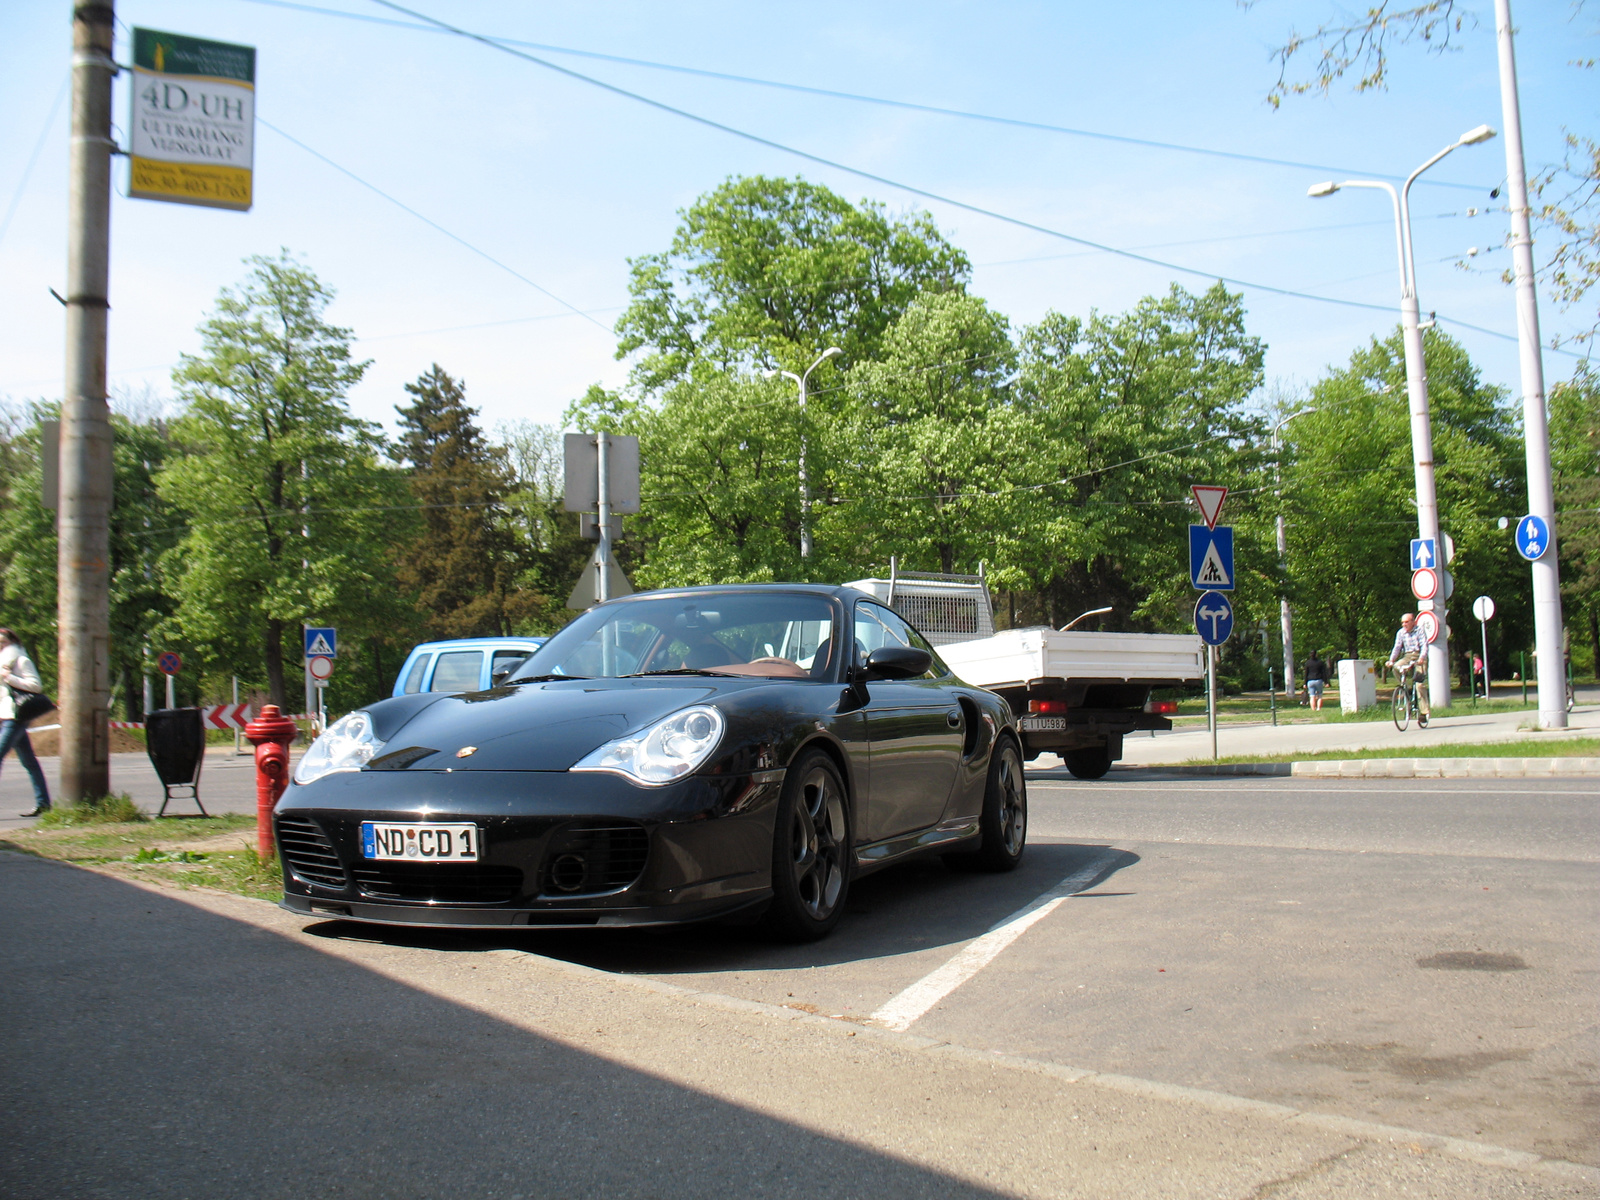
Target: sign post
602	477
1483	609
321	648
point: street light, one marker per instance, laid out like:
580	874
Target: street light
805	491
1285	616
1093	612
1417	387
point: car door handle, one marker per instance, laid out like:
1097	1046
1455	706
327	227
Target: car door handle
953	718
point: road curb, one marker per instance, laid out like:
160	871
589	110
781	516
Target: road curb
1395	768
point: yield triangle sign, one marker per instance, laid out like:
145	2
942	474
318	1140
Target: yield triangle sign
1210	501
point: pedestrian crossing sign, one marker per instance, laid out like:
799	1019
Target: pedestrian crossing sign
1211	558
322	642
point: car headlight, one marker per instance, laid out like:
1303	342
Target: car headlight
670	749
346	745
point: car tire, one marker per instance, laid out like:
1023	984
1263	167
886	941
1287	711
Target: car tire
1003	824
1092	763
812	855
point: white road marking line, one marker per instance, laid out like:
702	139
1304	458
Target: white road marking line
1175	786
904	1009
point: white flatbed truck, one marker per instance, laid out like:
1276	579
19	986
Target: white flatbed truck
1074	693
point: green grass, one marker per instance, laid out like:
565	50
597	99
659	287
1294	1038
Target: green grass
1251	710
108	810
217	852
1564	748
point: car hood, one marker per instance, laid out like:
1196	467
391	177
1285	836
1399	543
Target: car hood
523	727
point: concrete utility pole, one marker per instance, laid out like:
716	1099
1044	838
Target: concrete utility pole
83	611
1550	663
805	482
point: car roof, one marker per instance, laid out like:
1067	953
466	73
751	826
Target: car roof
832	590
481	643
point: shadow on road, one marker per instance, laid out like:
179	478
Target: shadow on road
896	911
155	1050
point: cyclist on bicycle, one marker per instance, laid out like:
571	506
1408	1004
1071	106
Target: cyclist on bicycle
1410	654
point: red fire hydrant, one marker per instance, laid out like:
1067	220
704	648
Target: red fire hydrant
271	733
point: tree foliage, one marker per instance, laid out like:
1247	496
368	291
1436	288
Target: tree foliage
463	565
769	272
290	512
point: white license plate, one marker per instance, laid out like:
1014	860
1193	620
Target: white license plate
1041	724
429	842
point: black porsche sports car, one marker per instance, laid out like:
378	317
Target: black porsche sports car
668	757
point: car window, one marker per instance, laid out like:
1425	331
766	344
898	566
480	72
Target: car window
879	626
414	677
506	660
458	671
770	634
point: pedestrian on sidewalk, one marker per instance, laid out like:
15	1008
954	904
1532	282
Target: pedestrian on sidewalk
19	679
1477	676
1316	673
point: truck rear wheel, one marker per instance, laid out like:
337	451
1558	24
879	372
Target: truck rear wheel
1092	763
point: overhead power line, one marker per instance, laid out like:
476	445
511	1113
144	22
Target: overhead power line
33	159
429	221
858	172
860	98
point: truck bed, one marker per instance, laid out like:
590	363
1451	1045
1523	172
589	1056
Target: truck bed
1018	657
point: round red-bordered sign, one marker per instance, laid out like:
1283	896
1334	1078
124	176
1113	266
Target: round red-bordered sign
320	666
1428	626
170	662
1424	583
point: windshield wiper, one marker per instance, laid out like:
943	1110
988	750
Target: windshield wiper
545	678
670	671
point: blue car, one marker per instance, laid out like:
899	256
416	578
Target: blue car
462	665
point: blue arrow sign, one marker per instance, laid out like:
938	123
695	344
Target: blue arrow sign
1213	618
1211	558
322	641
1533	537
1422	553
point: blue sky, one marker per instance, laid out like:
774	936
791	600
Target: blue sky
563	182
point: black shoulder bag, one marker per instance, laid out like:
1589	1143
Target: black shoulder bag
30	705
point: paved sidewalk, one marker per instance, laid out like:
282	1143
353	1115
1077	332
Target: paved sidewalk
1290	741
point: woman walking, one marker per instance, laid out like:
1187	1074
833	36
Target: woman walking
18	678
1316	674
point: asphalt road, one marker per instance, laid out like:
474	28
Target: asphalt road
1419	955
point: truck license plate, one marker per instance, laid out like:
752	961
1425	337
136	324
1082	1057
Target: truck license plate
428	842
1042	724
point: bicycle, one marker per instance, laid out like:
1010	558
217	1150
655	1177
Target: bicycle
1404	702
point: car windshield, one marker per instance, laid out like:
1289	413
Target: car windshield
778	635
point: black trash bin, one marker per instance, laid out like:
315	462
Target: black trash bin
175	740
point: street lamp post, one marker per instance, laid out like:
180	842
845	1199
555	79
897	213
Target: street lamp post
805	489
1093	612
1285	614
1417	390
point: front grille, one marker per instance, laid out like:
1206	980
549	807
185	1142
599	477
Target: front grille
439	883
310	854
585	859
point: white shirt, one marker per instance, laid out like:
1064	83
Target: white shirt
16	671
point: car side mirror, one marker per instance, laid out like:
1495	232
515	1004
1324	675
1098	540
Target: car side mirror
499	677
897	662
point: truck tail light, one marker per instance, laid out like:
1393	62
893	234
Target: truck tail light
1165	708
1047	706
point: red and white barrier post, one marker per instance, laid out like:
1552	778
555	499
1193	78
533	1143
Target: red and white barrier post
271	733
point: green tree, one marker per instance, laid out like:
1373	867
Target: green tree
143	527
1133	409
1349	496
1575	460
291	514
464	561
769	272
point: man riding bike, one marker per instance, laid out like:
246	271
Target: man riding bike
1410	655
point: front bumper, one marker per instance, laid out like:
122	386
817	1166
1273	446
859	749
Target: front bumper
694	850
